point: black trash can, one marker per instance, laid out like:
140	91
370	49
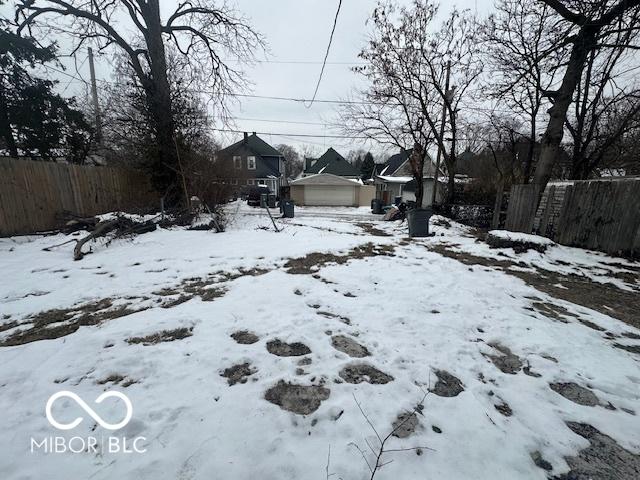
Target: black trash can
287	209
397	200
418	221
271	200
263	200
376	206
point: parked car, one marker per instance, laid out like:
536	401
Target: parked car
253	198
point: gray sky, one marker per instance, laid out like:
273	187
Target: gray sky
295	31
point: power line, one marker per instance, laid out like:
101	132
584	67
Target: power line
326	55
297	62
291	99
267	120
74	77
303	135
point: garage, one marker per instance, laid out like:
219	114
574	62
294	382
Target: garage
333	195
325	189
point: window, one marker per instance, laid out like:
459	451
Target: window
237	162
251	163
234	181
260	182
251	182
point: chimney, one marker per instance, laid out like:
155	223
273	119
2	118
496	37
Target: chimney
253	133
246	135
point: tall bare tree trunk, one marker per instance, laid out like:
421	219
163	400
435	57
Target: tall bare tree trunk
417	167
552	138
158	91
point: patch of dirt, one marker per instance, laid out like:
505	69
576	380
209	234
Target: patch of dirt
631	335
591	325
549	310
163	336
344	320
507	362
245	337
504	409
405	425
300	399
519	246
603	459
605	298
176	301
283	349
362	372
629	348
113	378
527	371
57	323
349	346
576	393
207	288
312	262
8	326
117	379
447	385
540	462
372	230
238	373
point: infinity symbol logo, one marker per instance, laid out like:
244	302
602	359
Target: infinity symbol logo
89	410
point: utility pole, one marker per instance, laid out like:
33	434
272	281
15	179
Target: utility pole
96	105
442	131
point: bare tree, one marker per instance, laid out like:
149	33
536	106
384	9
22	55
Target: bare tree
292	162
623	155
525	49
606	105
199	29
406	67
592	26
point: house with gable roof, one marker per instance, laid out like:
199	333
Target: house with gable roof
394	179
331	162
252	161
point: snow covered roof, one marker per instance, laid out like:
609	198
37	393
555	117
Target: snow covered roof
390	179
325	179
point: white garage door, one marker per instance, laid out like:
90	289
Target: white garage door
329	195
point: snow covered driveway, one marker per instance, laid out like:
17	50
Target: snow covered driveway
254	353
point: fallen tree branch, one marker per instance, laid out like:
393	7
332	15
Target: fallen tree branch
101	229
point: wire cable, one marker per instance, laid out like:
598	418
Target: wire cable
326	55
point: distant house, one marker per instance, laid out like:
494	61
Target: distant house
326	189
395	179
252	161
330	162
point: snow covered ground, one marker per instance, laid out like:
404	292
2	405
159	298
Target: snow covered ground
502	375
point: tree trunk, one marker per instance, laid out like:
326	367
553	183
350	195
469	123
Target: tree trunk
451	183
417	167
5	126
552	138
164	174
530	152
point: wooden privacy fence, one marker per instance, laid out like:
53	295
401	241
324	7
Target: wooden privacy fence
599	214
521	209
33	194
602	215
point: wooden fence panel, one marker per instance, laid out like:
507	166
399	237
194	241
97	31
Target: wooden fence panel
602	215
521	211
33	194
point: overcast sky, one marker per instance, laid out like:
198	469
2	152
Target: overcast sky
295	31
